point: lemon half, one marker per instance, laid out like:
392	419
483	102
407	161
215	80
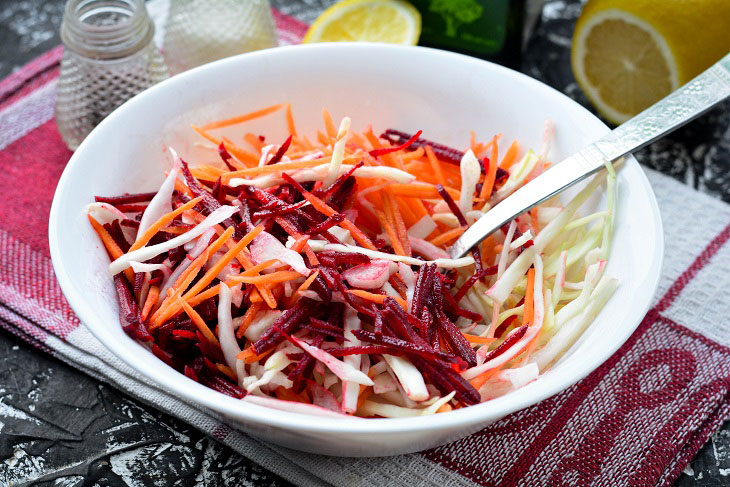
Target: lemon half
628	54
391	21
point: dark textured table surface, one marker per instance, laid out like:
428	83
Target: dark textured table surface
59	427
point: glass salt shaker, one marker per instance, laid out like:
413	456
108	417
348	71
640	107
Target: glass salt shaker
109	57
201	31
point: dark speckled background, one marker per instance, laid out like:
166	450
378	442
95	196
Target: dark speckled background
59	427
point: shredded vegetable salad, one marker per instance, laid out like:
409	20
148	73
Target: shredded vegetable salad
312	275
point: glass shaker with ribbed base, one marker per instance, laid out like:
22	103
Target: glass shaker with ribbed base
109	57
201	31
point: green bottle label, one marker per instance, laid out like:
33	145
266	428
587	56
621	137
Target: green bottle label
464	25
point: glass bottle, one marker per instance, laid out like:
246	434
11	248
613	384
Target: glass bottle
201	31
489	29
109	57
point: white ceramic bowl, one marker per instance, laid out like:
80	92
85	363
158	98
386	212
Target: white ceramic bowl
407	88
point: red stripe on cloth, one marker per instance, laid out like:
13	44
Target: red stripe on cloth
290	30
701	261
221	432
30	77
31	166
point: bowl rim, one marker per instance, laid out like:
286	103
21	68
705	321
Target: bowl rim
237	409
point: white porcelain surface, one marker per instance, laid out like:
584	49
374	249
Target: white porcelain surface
407	88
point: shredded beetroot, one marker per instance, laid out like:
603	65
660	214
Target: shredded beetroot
288	322
278	210
505	345
186	334
444	153
225	156
403	146
130	207
304	366
125	199
330	222
219	192
452	205
403	346
129	313
446	379
504	326
489	271
344	258
456	340
282	150
208	204
338	182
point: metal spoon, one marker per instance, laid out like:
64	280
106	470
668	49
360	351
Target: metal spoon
687	103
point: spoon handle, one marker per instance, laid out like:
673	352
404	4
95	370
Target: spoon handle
668	114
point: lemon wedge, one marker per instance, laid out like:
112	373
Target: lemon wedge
390	21
628	54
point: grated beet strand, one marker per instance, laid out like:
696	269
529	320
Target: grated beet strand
288	322
282	150
459	311
278	210
504	325
404	346
208	204
330	222
365	350
125	199
456	339
505	345
225	156
219	191
129	313
446	380
452	205
489	271
304	367
403	146
338	182
400	324
130	207
344	258
444	153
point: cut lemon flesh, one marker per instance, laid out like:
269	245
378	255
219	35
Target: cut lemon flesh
390	21
622	65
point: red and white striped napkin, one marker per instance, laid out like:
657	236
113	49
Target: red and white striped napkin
637	420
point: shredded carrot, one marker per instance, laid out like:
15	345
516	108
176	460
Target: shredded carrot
478	381
249	356
290	121
303	287
416	154
510	157
254	271
478	339
445	408
111	247
396	219
254	141
198	321
329	125
152	296
376	298
489	179
365	393
448	236
435	165
529	312
248	318
242	118
227	257
421	190
274	277
143	239
390	232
